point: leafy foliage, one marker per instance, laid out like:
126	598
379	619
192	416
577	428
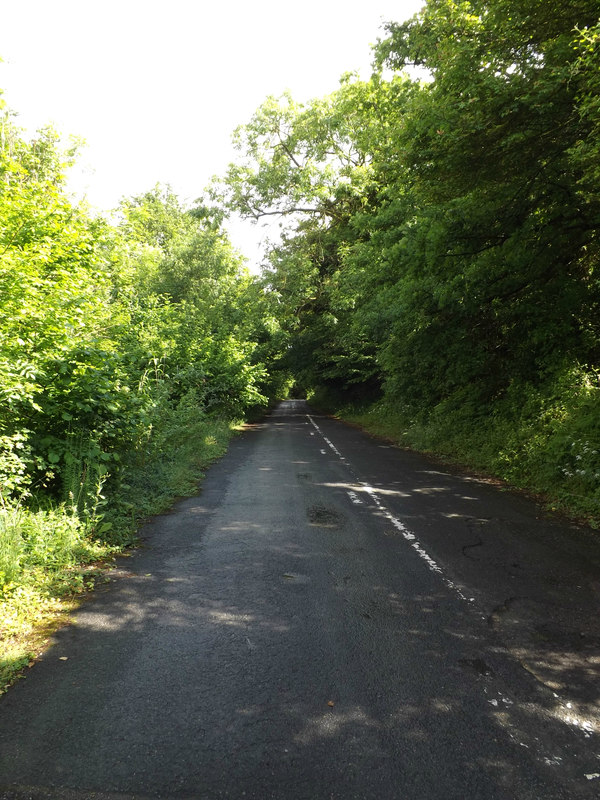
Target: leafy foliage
108	334
437	274
127	347
441	248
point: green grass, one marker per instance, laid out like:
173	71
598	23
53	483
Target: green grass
169	466
50	558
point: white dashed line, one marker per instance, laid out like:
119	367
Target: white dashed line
381	508
571	719
355	499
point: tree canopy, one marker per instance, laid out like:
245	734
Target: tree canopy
441	231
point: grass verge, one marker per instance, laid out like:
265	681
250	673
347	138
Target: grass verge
542	440
50	559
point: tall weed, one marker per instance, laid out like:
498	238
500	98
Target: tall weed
12	548
51	539
84	474
168	463
44	552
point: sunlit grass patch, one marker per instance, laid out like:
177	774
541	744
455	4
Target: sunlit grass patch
33	607
46	562
50	558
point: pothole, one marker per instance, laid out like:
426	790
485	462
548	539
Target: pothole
324	517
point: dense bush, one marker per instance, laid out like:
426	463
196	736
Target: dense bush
126	349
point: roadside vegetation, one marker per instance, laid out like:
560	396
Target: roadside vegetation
129	350
436	282
438	276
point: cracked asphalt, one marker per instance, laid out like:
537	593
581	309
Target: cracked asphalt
330	618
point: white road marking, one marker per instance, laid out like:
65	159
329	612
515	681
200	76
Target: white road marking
398	524
572	720
355	498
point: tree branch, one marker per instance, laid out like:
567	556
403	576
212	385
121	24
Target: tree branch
288	153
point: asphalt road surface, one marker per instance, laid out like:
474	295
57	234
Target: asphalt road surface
331	617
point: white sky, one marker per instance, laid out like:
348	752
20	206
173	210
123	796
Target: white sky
156	88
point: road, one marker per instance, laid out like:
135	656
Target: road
330	618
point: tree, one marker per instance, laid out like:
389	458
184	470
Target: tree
313	167
498	254
53	305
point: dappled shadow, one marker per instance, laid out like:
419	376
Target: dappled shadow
534	577
542	602
295	648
